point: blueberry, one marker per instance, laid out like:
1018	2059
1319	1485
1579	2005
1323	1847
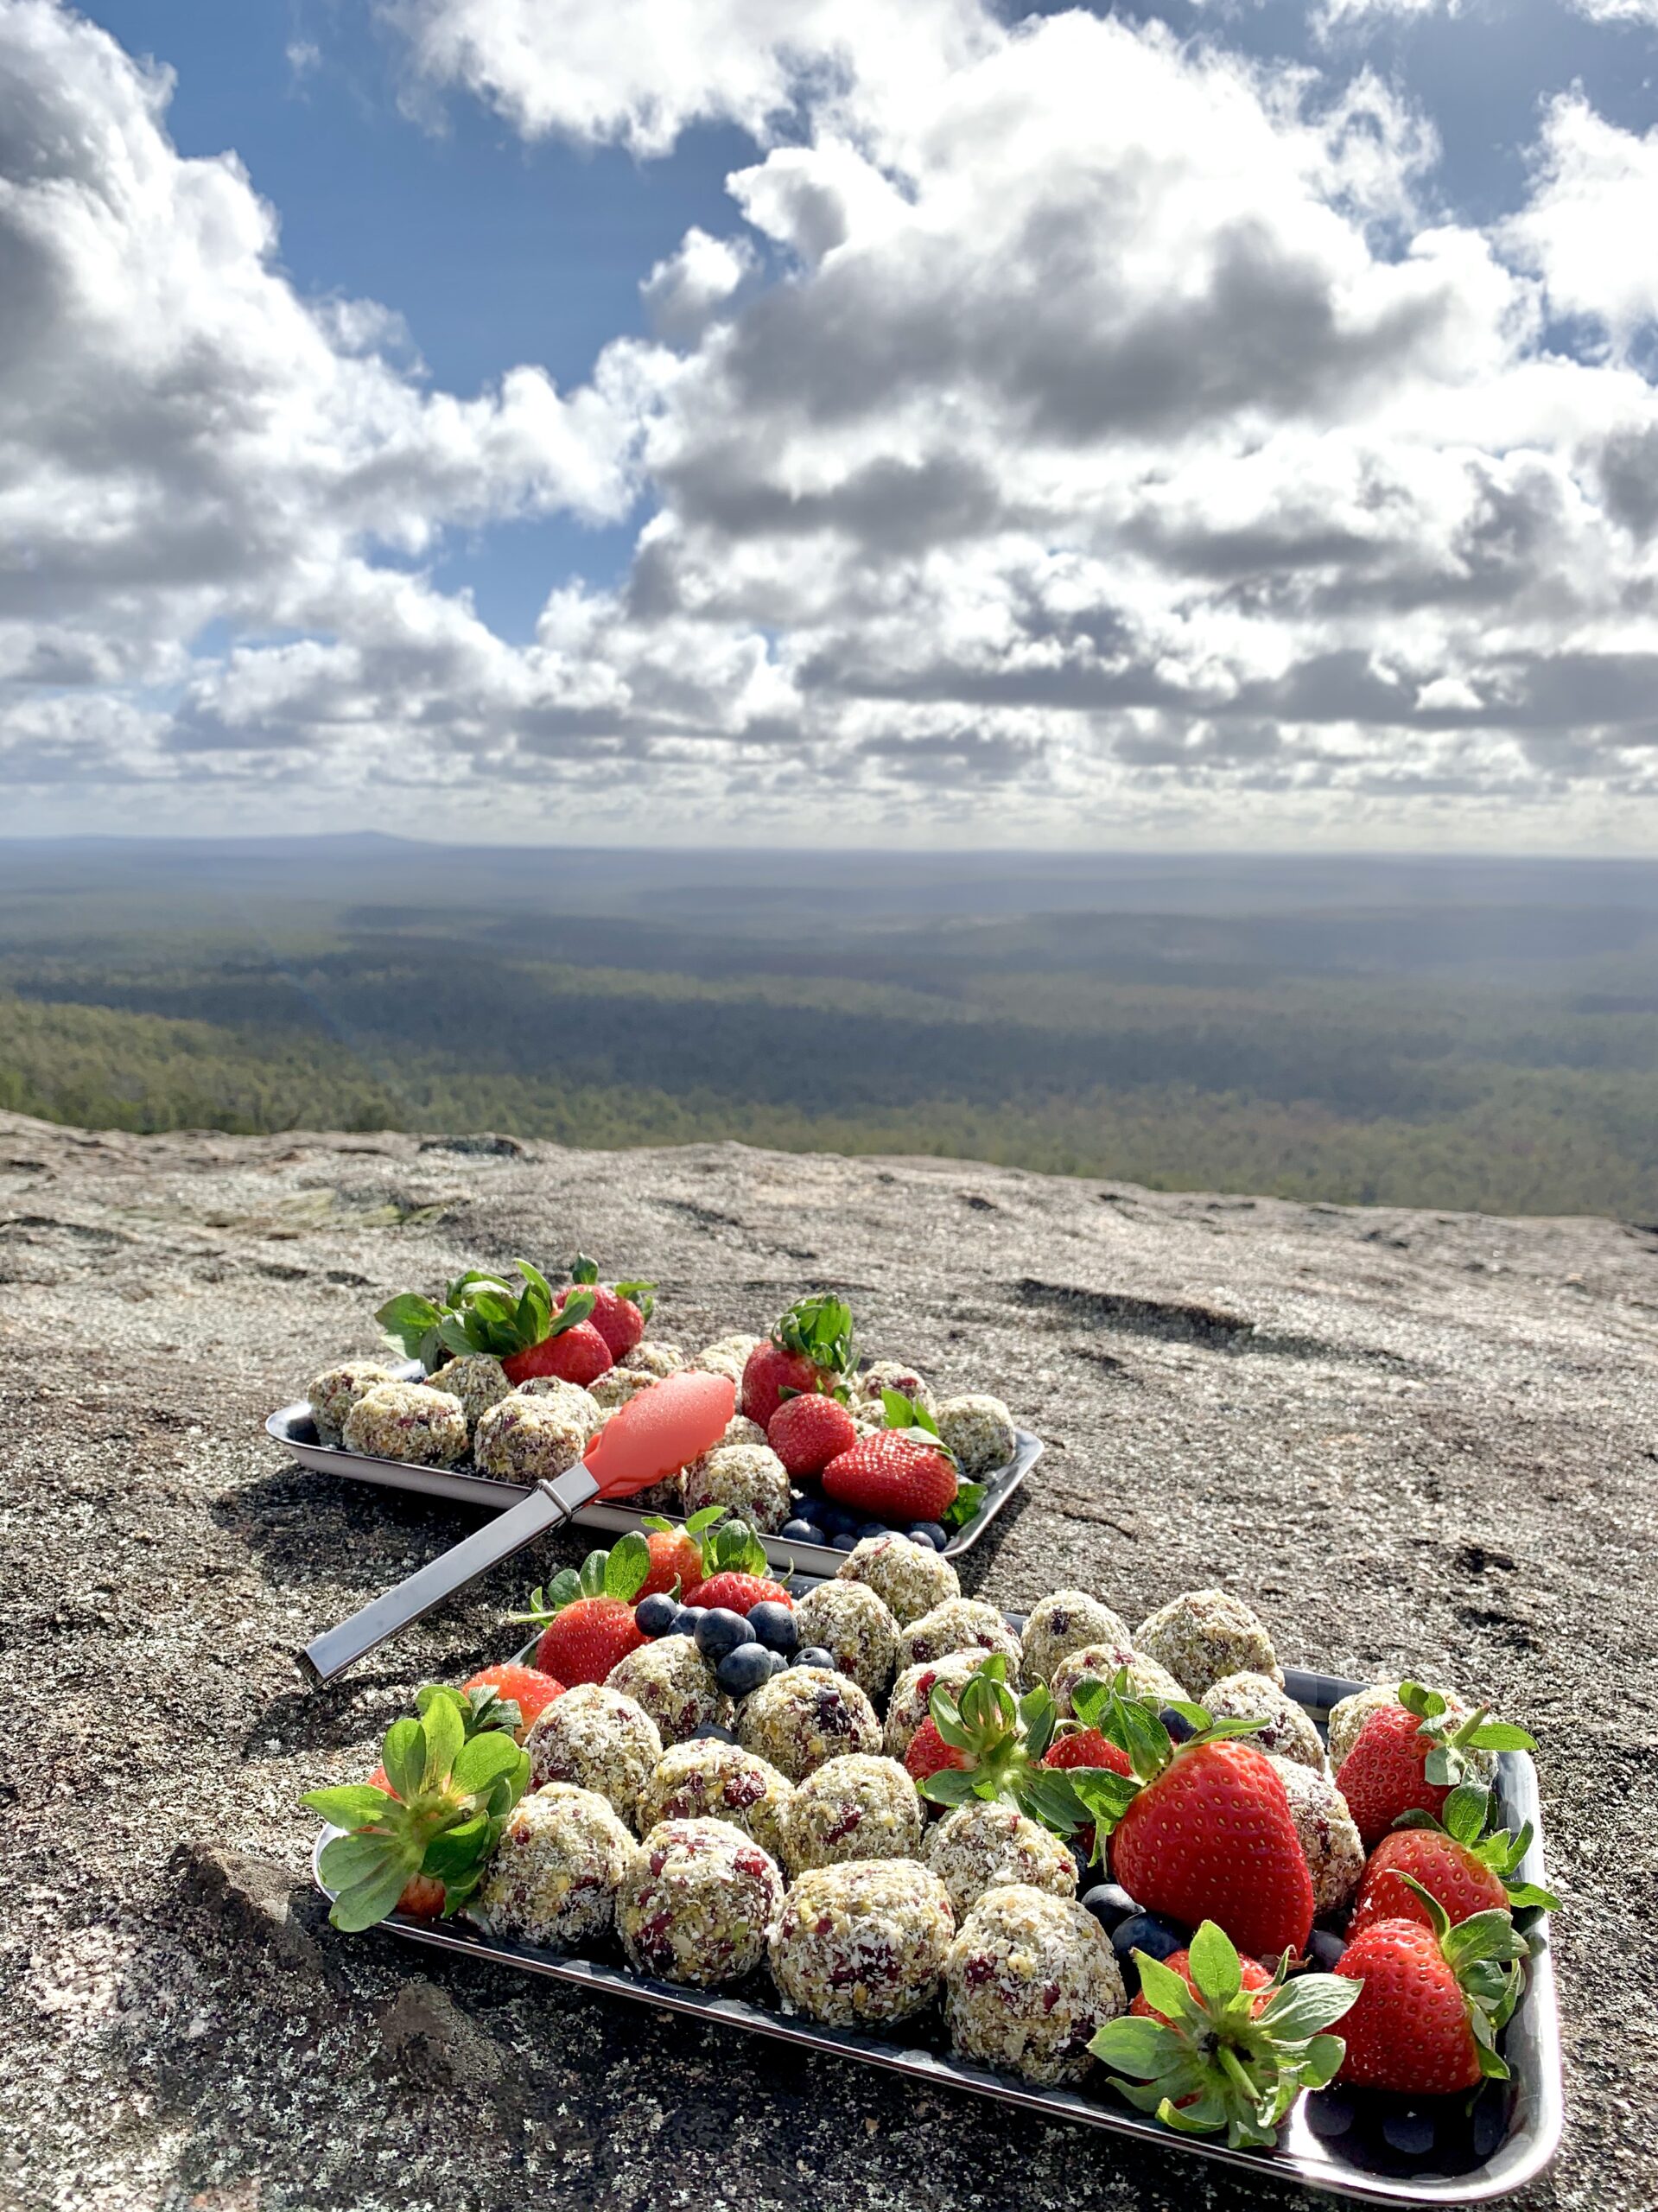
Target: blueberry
1325	1949
1409	2130
1488	2125
1110	1904
835	1520
744	1670
929	1532
1178	1726
685	1620
803	1532
657	1615
870	1529
779	1659
719	1631
774	1625
710	1732
1154	1933
847	1543
815	1655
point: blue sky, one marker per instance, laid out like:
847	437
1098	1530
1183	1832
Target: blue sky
1263	443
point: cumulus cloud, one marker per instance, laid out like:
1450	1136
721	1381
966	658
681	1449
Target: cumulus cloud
1106	432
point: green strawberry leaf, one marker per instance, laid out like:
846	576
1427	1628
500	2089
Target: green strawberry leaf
402	1754
1140	2045
1529	1897
628	1566
347	1859
583	1269
369	1900
964	1506
1037	1717
1164	1990
411	1318
354	1805
1498	1735
445	1730
1466	1813
1050	1795
704	1518
1323	2059
591	1574
480	1763
639	1294
1306	2006
1214	1966
951	1785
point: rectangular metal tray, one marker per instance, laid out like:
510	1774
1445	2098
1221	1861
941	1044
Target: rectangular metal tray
1531	2041
292	1427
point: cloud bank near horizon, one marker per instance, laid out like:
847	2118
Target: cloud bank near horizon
1078	435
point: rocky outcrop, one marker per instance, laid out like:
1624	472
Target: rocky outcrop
1412	1439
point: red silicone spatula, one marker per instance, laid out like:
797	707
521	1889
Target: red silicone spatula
652	1436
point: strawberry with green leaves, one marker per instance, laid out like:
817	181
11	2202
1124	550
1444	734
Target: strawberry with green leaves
808	1430
902	1474
1200	1830
675	1555
528	1331
1454	1861
1216	2046
809	1349
436	1822
1410	1756
982	1741
585	1614
1434	1999
619	1311
525	1690
734	1566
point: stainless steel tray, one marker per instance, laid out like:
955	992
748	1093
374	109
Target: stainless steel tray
292	1427
1362	2170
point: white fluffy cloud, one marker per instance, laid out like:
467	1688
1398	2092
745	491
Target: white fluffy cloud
1100	434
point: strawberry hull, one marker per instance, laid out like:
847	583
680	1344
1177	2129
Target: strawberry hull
1342	2142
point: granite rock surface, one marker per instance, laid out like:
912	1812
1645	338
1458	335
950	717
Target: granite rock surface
1413	1440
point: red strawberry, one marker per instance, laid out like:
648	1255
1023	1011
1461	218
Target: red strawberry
1409	1757
585	1619
1464	1870
1087	1747
738	1593
1431	2002
930	1754
894	1477
1252	1975
807	1348
524	1687
1200	1830
807	1432
576	1354
619	1310
675	1558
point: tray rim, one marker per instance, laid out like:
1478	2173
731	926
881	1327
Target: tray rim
1527	2151
485	1492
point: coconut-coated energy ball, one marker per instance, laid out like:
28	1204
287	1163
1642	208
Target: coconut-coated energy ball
1029	1981
882	1374
1062	1623
523	1439
569	1397
675	1684
611	1390
908	1705
910	1579
861	1942
727	1356
1145	1677
803	1717
698	1903
709	1780
848	1621
980	1431
749	1478
985	1842
409	1421
599	1738
1203	1636
856	1807
1289	1732
556	1869
477	1378
651	1356
1329	1834
958	1625
333	1393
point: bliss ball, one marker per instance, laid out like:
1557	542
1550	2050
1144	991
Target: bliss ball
698	1903
861	1942
910	1579
528	1440
958	1625
1203	1636
611	1391
478	1379
577	1404
705	1779
856	1807
727	1356
803	1717
1062	1622
1103	1661
749	1479
408	1421
986	1842
675	1684
597	1738
980	1431
892	1375
1328	1833
1028	1983
333	1394
848	1621
651	1356
561	1860
1289	1732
